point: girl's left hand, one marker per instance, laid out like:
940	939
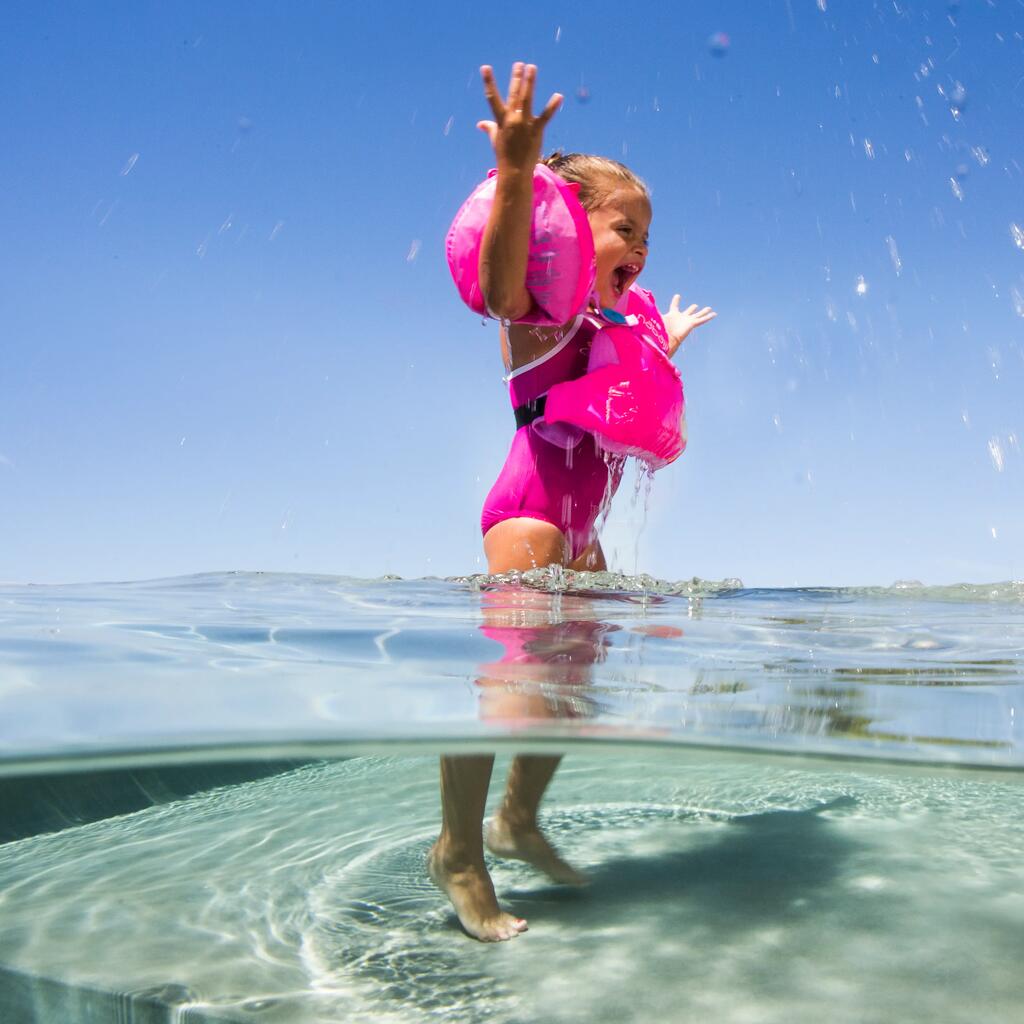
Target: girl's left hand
679	322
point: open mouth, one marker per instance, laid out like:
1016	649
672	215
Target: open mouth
624	276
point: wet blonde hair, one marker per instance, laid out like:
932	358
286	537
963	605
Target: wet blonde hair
597	176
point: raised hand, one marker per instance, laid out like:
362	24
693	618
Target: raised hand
516	134
679	322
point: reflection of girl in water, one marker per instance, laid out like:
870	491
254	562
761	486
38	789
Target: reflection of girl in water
546	665
546	505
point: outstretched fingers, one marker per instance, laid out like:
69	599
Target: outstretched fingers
699	316
519	98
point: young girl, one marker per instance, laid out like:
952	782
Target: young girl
544	508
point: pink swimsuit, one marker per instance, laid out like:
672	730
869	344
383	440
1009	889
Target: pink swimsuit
584	400
554	472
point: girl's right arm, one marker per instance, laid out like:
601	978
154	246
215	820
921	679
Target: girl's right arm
517	137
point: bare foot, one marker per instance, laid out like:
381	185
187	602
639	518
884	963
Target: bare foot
530	845
471	891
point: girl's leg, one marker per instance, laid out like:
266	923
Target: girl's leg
590	559
456	860
524	544
514	831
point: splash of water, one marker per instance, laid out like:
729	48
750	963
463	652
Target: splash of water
1011	591
556	579
642	485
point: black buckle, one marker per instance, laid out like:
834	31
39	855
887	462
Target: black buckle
526	413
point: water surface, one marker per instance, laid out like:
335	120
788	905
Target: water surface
223	662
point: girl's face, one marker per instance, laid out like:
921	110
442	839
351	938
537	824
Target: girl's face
620	227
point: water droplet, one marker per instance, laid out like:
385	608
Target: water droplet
862	285
869	149
955	188
110	209
244	125
894	255
1017	234
448	126
995	359
127	169
965	417
414	251
583	94
1018	301
980	153
822	5
558	33
995	451
276	231
718	44
992	530
955	96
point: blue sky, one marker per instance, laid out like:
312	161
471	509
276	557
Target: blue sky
228	339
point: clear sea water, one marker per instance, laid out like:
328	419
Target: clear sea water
794	805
